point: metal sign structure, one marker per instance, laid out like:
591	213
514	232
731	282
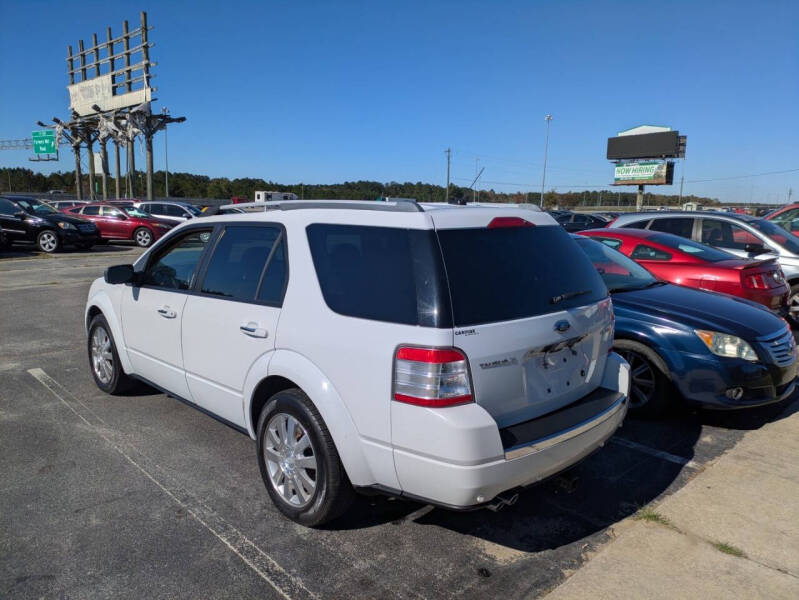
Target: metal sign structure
109	99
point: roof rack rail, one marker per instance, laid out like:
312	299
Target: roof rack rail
394	205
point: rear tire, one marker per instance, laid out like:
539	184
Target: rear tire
793	303
143	237
48	241
104	360
299	462
649	382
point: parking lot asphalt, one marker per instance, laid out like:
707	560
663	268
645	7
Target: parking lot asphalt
142	496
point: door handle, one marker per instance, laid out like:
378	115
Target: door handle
251	329
167	312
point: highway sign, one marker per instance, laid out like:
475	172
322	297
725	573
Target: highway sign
44	142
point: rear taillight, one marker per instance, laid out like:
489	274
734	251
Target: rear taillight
762	281
509	222
435	377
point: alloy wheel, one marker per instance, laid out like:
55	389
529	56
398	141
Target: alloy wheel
793	305
143	237
102	357
290	460
643	380
48	241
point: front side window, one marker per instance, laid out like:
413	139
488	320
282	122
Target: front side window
35	207
174	267
236	268
724	234
788	220
644	252
777	234
682	226
110	211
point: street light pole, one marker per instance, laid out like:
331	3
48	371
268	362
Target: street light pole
547	118
165	111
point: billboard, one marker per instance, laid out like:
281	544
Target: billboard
664	144
650	172
100	91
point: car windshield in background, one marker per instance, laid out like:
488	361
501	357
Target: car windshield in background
690	247
618	272
35	207
778	234
508	273
134	212
193	209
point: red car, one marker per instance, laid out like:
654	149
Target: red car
682	261
786	217
119	223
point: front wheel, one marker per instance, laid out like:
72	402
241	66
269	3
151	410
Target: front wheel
299	462
793	302
143	237
648	381
48	241
104	360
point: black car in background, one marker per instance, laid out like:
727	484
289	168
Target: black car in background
572	221
26	219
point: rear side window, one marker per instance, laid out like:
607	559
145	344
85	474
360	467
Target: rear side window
91	210
511	273
638	224
609	242
381	273
237	265
644	252
683	227
7	207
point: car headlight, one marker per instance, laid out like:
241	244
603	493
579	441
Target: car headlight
63	225
724	344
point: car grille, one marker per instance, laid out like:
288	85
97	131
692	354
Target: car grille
86	227
782	348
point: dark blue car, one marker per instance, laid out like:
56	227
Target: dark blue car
717	350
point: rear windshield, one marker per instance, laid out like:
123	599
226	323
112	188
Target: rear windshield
682	244
511	273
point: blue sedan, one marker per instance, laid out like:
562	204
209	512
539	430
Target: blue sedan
717	350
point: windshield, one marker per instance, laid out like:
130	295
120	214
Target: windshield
35	207
509	273
784	238
618	272
135	212
690	247
193	209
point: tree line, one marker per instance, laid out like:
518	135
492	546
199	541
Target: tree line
189	185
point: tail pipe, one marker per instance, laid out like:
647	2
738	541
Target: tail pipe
501	501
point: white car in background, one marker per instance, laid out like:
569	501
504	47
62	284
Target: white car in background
449	354
169	210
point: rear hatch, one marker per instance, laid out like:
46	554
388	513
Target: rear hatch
758	274
529	309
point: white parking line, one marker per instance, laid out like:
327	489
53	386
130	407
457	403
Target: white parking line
283	582
680	460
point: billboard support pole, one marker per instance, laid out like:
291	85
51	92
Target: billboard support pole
104	160
78	174
90	158
116	176
131	152
639	199
148	144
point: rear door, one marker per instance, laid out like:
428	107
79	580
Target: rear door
530	311
12	224
231	320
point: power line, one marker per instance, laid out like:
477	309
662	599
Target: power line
743	176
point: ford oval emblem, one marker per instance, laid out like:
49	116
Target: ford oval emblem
562	326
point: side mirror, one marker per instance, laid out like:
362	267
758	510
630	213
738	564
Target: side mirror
756	249
21	214
120	274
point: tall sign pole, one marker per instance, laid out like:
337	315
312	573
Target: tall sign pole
446	195
547	118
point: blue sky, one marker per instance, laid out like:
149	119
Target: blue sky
324	92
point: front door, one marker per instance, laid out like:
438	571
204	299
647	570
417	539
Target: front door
232	321
13	225
152	312
117	223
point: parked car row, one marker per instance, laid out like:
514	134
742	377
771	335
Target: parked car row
449	354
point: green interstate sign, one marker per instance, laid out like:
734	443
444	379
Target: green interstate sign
44	142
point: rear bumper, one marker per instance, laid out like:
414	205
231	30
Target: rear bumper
458	457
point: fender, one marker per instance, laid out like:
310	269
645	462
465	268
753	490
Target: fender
100	298
308	377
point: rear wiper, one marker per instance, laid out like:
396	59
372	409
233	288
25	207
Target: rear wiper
556	299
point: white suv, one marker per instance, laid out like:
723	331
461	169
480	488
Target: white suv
448	354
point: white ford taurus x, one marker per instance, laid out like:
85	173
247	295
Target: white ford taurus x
449	354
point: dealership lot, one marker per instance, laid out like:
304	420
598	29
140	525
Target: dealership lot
140	495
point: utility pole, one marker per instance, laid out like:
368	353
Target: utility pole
547	118
165	111
474	191
446	195
682	177
790	193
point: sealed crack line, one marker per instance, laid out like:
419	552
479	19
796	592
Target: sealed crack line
284	583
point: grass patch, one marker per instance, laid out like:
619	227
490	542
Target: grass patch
729	549
650	514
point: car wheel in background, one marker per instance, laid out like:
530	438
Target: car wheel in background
143	237
793	302
48	241
104	360
649	383
299	462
